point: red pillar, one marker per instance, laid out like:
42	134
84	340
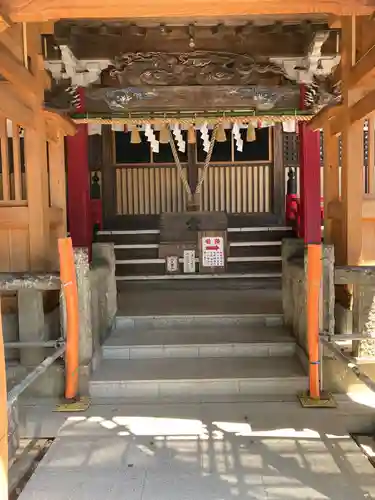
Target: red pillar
78	184
310	228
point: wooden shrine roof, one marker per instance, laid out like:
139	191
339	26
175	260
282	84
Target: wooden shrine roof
43	10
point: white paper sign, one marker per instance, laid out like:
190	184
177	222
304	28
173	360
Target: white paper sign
189	261
172	264
213	251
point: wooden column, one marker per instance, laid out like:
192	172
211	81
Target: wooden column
310	182
109	191
331	186
278	174
352	156
36	164
57	181
79	185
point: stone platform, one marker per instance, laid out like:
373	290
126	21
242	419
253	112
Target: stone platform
233	449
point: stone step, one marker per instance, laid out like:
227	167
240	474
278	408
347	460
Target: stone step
259	278
150	251
198	343
260	266
199	321
197	285
164	378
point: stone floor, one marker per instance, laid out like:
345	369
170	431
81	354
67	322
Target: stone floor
238	449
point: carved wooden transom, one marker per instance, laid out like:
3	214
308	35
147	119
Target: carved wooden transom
194	68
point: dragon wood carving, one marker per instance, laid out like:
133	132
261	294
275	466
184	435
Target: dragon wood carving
194	68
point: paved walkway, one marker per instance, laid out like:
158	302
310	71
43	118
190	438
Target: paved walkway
194	451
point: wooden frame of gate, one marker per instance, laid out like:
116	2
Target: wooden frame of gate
32	190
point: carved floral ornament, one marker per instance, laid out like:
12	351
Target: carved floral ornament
160	79
193	68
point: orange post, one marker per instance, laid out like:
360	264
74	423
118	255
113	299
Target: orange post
69	284
3	420
314	277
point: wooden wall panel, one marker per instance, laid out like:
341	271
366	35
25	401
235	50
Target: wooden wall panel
19	249
14	250
233	188
149	190
237	189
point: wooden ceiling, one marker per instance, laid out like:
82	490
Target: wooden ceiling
43	10
89	40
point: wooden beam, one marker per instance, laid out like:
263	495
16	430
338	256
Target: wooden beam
334	210
13	70
352	157
37	165
360	110
37	195
43	10
60	122
55	216
57	183
12	107
47	80
334	22
12	39
319	121
336	125
5	22
363	72
365	36
363	108
47	28
368	207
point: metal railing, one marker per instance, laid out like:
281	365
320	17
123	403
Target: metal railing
68	347
18	389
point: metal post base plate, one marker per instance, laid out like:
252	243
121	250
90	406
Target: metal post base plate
326	400
76	405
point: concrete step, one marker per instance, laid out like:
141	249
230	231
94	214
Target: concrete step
211	342
183	285
257	266
199	321
257	276
163	378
